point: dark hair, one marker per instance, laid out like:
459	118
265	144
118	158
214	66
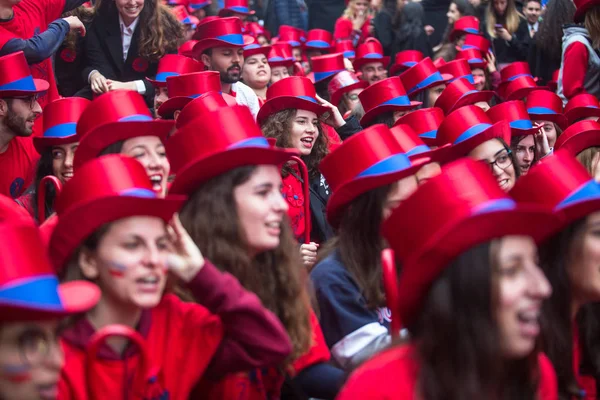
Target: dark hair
275	276
457	338
514	142
465	8
321	88
86	15
114	148
359	245
44	168
529	1
386	118
279	126
513	158
411	21
548	39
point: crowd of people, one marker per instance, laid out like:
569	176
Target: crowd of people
299	199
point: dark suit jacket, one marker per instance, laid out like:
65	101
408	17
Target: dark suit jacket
104	52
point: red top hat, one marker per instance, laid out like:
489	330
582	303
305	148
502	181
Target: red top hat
515	113
425	123
476	42
461	93
377	160
229	139
582	7
448	215
383	96
183	16
184	88
519	88
289	34
515	70
343	82
254	49
346	47
368	52
562	184
404	60
468	127
464	25
205	103
422	76
104	190
318	39
113	117
546	106
221	32
187	49
11	212
16	79
457	69
415	148
473	57
174	65
295	92
579	136
582	106
281	55
194	5
328	65
60	121
29	288
256	30
438	62
235	7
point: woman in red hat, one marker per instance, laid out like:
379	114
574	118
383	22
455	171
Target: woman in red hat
461	21
570	318
115	231
355	23
347	277
256	72
343	90
582	140
280	60
231	174
545	108
508	31
472	292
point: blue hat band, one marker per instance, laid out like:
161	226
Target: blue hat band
397	101
293	43
495	205
162	76
252	46
198	6
61	130
321	44
512	78
349	54
409	63
25	84
472	131
429	134
136	118
232	38
251	142
138	192
323	75
541	110
39	292
240	9
521	124
468	77
391	164
418	150
436	77
373	56
471	30
475	61
588	191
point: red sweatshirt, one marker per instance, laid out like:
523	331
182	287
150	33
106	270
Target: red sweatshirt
394	374
574	69
231	331
343	29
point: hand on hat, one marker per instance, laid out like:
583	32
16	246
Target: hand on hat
491	62
308	252
98	83
186	260
75	24
333	117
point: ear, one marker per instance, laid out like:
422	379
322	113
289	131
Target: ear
176	114
205	58
3	107
88	264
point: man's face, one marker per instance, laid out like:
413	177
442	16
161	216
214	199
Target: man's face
532	11
20	114
373	72
227	61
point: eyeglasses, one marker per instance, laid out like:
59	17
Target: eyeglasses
353	97
503	161
34	346
28	99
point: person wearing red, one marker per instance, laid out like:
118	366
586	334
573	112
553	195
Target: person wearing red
19	108
469	274
370	61
355	23
114	230
256	71
231	174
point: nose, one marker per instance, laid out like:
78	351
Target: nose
236	58
153	160
152	258
539	287
496	170
310	127
37	109
280	205
69	159
56	357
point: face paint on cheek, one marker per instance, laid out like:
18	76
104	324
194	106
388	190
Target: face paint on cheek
116	269
16	373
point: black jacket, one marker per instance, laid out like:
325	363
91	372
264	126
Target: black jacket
516	49
322	14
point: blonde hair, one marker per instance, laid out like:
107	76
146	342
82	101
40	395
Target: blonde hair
348	13
592	25
512	18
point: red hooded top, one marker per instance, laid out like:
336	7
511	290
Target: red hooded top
231	331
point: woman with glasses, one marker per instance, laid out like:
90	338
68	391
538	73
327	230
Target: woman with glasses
344	89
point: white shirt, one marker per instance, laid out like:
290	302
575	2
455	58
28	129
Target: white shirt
127	34
535	26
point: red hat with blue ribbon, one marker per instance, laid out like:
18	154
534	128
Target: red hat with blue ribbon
16	79
295	92
415	148
233	7
461	93
457	210
174	65
377	160
194	5
104	190
184	17
479	42
384	96
184	88
468	24
515	70
582	106
473	57
318	39
346	47
344	82
421	76
114	117
457	69
326	66
204	104
578	137
221	32
425	123
543	105
290	34
255	29
254	49
519	88
371	51
515	113
405	60
29	288
187	49
229	139
60	122
281	55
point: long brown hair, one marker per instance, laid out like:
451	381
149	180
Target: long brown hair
279	126
511	18
160	31
275	276
592	25
85	14
586	157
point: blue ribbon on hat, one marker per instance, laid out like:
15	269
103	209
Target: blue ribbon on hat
349	54
61	130
321	44
540	110
136	117
251	142
40	292
495	205
162	76
138	192
521	124
391	164
396	101
512	78
232	38
588	191
25	84
240	9
471	30
472	131
468	77
322	75
429	134
433	78
475	61
418	150
198	6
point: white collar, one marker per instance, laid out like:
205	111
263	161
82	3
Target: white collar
132	26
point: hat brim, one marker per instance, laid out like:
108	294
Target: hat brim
173	104
282	63
157	84
397	68
347	192
199	170
336	97
581	112
93	142
422	269
558	119
472	98
375	111
440	155
281	103
210	43
578	142
78	223
523	92
358	63
500	129
524	132
225	12
41	86
42	143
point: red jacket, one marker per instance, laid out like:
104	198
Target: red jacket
231	331
394	374
574	69
343	29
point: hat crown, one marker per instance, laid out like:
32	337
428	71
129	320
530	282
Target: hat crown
295	86
371	46
61	116
219	28
194	84
460	121
117	106
319	35
509	111
342	80
110	175
236	3
344	45
478	42
514	70
544	99
380	92
15	72
582	100
408	56
175	64
206	103
453	92
470	54
424	122
456	68
418	73
289	34
467	22
328	63
407	138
